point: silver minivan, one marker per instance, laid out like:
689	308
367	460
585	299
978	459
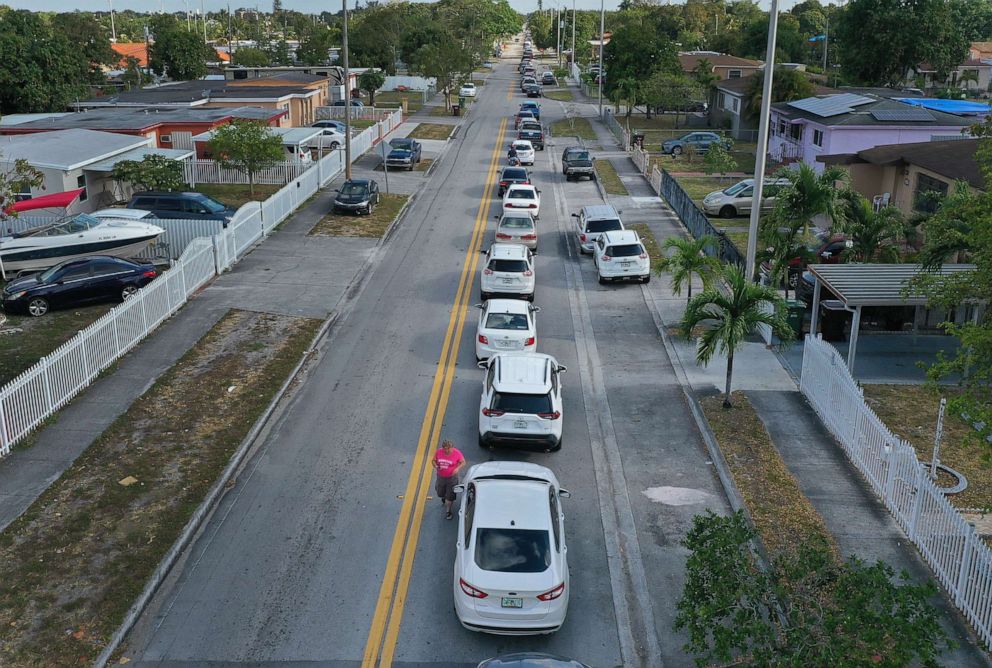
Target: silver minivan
736	200
592	221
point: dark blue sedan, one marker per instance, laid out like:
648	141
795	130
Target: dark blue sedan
404	152
99	278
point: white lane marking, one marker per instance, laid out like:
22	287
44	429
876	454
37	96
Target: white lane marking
677	496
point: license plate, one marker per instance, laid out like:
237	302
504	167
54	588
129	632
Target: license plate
520	424
507	281
505	344
512	602
625	264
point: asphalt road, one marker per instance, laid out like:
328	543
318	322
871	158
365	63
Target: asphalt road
326	550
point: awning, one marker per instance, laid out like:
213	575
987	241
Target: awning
878	284
53	201
138	154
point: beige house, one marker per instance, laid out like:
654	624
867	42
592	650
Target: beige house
722	65
901	174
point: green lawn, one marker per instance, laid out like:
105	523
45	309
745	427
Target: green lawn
394	98
698	187
431	131
352	225
234	195
573	127
607	175
743	153
563	95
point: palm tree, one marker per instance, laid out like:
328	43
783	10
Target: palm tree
967	77
685	258
735	316
705	75
874	234
809	194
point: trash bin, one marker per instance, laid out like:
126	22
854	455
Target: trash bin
637	139
795	313
833	317
456	110
461	101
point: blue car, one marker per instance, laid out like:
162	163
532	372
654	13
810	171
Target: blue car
532	107
404	153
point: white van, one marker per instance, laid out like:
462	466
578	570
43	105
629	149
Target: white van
736	200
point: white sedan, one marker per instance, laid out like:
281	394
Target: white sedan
511	570
467	90
505	325
525	151
520	197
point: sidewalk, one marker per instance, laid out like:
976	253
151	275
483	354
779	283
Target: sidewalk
859	521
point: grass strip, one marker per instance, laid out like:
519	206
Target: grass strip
647	238
431	131
607	175
352	225
783	517
236	194
563	95
574	126
75	561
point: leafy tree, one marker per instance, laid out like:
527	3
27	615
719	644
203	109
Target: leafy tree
806	609
279	53
315	46
685	258
704	74
719	160
447	62
636	51
948	231
16	179
375	37
370	81
902	35
874	235
176	52
250	56
666	91
808	195
134	76
790	44
89	39
247	146
733	317
153	172
787	85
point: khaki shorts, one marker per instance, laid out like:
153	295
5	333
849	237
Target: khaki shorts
445	487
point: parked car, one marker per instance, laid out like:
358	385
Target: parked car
530	660
354	103
508	270
525	151
330	139
827	249
593	220
517	228
357	196
182	205
404	152
527	81
121	213
533	90
467	90
576	163
521	402
521	116
331	125
699	141
512	175
548	79
532	107
505	325
511	561
737	199
620	255
98	278
522	198
534	135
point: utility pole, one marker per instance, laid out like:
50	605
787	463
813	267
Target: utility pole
558	46
573	33
204	12
826	43
347	92
113	27
602	32
762	148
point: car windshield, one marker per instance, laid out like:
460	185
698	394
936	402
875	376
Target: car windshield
353	189
515	174
626	250
506	321
578	155
514	266
46	276
521	147
213	206
402	144
521	194
513	550
736	188
531	404
517	224
598	226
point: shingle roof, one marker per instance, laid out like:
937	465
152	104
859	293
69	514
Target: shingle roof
741	84
954	159
862	116
689	61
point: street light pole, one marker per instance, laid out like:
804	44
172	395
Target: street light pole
573	33
347	93
602	30
762	148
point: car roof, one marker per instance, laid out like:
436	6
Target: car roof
600	212
511	468
508	251
361	182
523	373
507	306
512	503
621	237
514	170
522	186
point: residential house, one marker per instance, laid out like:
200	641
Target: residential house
805	129
77	158
165	127
728	108
974	75
296	93
722	65
900	174
136	50
333	73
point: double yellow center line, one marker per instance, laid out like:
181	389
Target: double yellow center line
384	632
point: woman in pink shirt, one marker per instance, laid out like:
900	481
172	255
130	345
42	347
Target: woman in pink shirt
448	462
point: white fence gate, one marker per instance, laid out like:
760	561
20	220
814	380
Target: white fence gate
958	556
33	396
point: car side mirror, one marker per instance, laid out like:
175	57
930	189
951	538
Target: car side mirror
562	493
458	489
480	306
496	216
562	368
575	215
534	309
482	364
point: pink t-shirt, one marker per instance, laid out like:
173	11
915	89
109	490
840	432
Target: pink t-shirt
446	464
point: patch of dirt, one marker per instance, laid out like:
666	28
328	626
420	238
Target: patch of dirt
373	225
72	565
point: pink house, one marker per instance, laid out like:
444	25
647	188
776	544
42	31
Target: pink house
803	130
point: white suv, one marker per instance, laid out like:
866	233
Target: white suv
505	325
508	270
592	221
620	255
521	401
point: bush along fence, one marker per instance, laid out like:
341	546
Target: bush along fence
39	392
960	559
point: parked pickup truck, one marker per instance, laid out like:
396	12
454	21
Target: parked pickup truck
533	135
576	163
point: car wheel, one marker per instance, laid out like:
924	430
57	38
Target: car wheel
728	212
646	279
38	306
603	280
128	291
335	146
677	150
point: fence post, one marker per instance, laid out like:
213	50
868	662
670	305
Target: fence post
914	517
48	382
83	338
117	332
966	555
890	474
4	440
144	317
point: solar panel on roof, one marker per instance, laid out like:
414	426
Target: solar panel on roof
902	115
831	105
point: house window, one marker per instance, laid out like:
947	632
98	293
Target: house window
929	193
81	183
781	128
734	74
166	139
736	105
795	132
817	138
24	193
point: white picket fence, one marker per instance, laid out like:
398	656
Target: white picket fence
357	113
210	171
960	559
39	392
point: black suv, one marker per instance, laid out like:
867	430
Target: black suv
182	205
512	176
357	196
576	163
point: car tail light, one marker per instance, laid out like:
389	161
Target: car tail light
151	273
492	412
500	235
504	183
483	339
605	258
487	272
549	595
643	256
531	206
529	237
582	237
528	273
478	593
530	341
550	416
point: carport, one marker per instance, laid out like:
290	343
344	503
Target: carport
860	285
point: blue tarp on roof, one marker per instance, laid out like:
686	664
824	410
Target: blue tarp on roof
960	107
